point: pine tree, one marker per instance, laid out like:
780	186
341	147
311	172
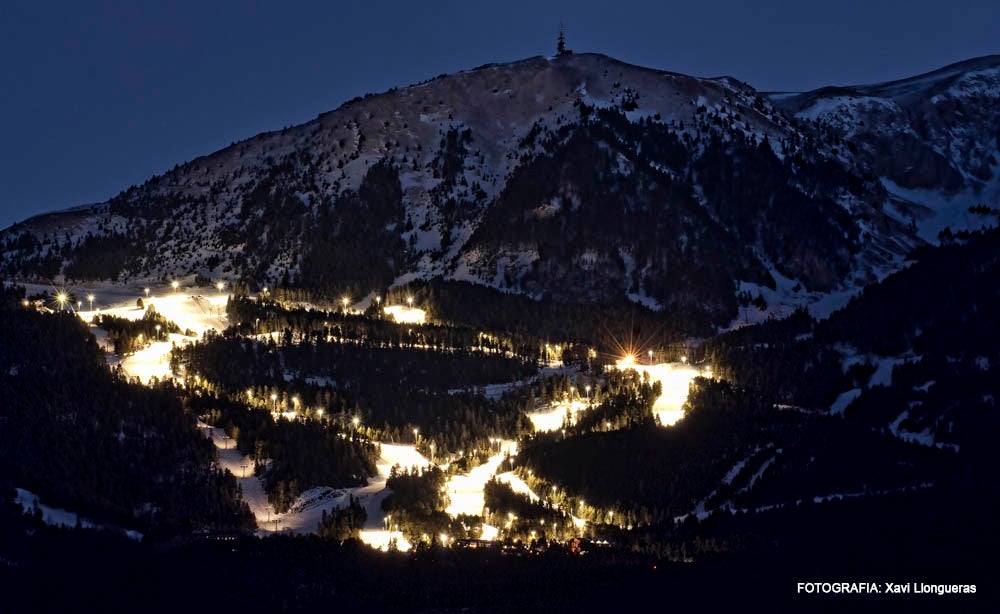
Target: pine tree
561	45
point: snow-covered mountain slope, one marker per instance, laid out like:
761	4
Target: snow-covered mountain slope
933	139
578	177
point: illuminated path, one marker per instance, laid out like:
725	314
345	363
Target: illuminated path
551	419
521	487
405	315
199	313
194	312
241	467
307	511
675	378
466	490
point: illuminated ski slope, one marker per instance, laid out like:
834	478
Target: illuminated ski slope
406	315
198	312
193	310
674	377
465	491
552	419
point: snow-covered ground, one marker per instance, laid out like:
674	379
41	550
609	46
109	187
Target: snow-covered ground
884	367
194	310
843	400
241	467
942	211
788	295
150	362
58	517
378	531
406	315
552	417
675	378
736	469
307	511
198	312
924	437
519	486
466	490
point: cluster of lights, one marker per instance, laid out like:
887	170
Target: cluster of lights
296	403
445	539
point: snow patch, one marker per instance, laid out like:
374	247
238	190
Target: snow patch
58	517
842	401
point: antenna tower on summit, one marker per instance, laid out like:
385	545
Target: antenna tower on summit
561	44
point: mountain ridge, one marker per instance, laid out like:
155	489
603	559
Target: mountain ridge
455	142
931	138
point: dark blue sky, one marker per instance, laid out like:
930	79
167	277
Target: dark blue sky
96	96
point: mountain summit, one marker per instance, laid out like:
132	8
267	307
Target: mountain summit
576	178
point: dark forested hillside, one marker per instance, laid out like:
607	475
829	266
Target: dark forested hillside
612	206
354	243
935	321
86	439
390	389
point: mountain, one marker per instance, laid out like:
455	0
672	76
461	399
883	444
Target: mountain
932	139
571	208
574	179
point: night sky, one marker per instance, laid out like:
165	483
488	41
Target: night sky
96	96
